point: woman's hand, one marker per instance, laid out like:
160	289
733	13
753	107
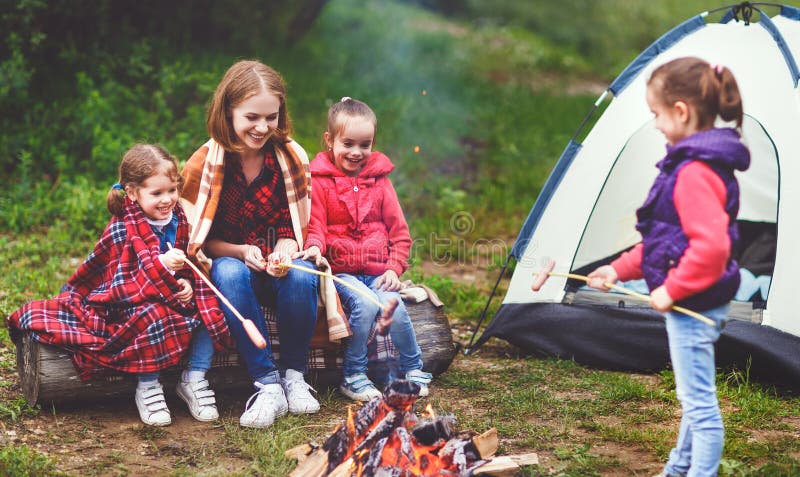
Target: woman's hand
389	281
273	265
285	249
186	293
251	256
173	259
602	275
660	299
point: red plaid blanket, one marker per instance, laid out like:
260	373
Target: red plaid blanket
118	311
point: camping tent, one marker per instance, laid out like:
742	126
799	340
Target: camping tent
585	214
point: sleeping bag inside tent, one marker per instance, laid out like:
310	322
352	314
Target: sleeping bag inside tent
585	214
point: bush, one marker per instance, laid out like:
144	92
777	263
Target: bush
21	461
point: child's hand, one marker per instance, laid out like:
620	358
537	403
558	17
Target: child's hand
314	254
186	293
252	257
660	299
602	275
173	259
389	281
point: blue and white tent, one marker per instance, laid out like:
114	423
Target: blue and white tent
585	214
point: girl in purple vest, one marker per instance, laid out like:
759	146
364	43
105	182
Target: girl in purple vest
688	227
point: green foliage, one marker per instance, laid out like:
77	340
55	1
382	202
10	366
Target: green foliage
464	302
21	461
14	410
608	34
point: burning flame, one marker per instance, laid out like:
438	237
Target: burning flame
387	434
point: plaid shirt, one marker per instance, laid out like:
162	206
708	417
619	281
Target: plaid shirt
255	214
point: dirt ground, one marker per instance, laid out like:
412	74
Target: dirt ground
106	438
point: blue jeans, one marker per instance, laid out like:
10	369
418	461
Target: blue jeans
201	352
295	303
701	435
362	315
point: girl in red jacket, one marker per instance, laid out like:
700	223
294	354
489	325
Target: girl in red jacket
357	224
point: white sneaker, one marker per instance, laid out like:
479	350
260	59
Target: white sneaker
152	407
200	398
297	393
358	387
263	407
420	378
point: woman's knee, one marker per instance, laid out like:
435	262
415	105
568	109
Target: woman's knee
229	271
302	280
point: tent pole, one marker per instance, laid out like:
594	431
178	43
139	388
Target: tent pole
485	308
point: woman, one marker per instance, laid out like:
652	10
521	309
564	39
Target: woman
247	196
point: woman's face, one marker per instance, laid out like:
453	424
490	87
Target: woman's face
255	119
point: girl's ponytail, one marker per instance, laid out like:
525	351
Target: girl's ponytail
710	88
115	201
730	101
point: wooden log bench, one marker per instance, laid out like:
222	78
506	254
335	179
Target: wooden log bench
47	375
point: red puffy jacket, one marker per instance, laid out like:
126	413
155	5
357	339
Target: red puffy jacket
357	222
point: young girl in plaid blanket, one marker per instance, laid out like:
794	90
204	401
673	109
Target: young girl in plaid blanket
357	223
131	306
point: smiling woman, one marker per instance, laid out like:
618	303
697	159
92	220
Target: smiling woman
257	206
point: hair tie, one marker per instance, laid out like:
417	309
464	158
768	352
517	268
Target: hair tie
117	186
345	98
717	69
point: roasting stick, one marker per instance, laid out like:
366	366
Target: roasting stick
249	326
547	271
387	312
339	280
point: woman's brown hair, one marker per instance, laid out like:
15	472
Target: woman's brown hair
141	162
243	80
711	89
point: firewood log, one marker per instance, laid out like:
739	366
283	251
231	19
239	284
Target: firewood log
47	375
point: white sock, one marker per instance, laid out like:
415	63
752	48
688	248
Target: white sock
192	376
146	384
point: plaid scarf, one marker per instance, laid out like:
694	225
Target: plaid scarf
118	311
203	177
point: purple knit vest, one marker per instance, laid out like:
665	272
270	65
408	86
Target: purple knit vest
662	236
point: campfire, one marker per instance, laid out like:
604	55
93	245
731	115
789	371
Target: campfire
386	438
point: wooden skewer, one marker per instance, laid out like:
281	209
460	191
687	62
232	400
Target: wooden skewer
334	277
249	326
387	312
541	276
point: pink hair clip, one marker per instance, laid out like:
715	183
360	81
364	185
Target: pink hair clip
717	68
